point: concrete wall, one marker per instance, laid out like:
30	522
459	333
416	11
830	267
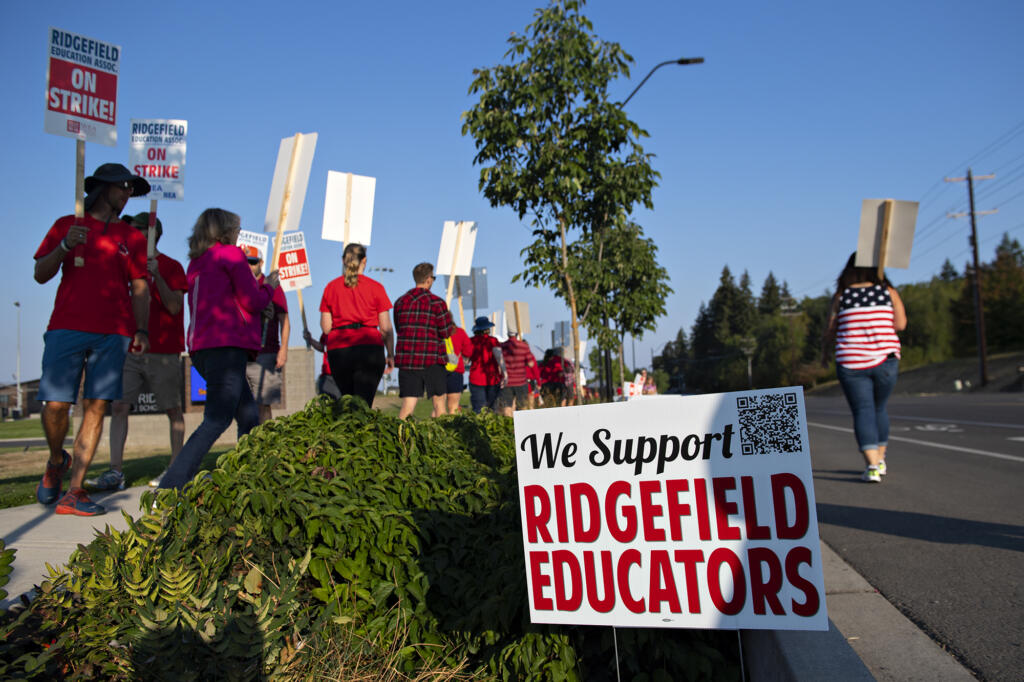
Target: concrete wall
151	431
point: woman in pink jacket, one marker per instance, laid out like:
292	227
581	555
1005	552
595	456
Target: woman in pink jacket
225	302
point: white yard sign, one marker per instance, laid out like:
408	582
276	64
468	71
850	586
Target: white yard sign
293	263
81	87
348	208
158	154
690	512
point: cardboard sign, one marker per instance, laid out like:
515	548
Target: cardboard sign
455	257
517	317
348	208
259	240
879	243
81	87
158	154
288	189
293	263
693	512
472	287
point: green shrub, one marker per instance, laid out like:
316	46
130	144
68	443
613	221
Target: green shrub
405	534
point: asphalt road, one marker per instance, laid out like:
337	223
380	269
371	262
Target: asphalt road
942	538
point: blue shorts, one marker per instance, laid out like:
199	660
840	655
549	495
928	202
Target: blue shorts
67	353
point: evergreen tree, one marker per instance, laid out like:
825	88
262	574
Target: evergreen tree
770	301
948	273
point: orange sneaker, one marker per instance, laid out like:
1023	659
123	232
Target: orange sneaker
77	502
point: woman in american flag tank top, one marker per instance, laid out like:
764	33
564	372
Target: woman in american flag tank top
866	314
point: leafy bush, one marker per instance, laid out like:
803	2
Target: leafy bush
404	535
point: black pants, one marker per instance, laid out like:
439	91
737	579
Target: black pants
357	370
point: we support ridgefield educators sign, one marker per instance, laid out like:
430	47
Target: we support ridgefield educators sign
693	512
81	87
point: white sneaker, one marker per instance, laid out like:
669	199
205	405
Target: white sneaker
155	483
111	479
871	475
881	468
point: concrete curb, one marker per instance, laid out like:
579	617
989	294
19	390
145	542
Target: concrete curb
867	639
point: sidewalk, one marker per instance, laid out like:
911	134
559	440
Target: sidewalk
868	638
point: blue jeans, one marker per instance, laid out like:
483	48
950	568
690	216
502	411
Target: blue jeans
483	396
228	397
867	391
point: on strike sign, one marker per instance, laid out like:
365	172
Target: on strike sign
158	154
81	87
693	512
292	264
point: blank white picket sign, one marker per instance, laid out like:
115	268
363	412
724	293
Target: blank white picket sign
448	262
360	213
300	174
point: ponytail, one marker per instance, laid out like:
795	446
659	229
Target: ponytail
353	256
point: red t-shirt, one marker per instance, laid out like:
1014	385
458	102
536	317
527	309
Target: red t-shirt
552	371
462	347
96	297
362	303
483	370
326	368
166	331
270	329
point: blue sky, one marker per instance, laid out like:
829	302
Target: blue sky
801	110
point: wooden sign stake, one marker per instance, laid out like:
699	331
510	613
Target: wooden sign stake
348	208
283	217
455	257
151	233
79	178
883	245
519	325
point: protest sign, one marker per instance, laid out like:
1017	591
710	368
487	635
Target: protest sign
293	263
348	208
158	154
886	233
632	389
693	512
517	316
288	188
81	87
257	239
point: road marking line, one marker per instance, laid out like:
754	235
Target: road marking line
1003	425
985	453
1020	438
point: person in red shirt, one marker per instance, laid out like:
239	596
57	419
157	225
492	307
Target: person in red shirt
422	322
160	369
462	348
101	308
264	373
518	359
325	384
552	378
486	366
355	319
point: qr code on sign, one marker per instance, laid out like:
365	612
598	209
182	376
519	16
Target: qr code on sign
769	424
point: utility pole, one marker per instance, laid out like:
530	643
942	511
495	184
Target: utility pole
979	311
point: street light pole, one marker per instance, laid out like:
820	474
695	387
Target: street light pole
17	376
682	61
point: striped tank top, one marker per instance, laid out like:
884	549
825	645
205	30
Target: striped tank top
865	336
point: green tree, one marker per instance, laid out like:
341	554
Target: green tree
770	300
621	288
550	142
672	362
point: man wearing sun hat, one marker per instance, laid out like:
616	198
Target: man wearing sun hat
100	311
159	369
